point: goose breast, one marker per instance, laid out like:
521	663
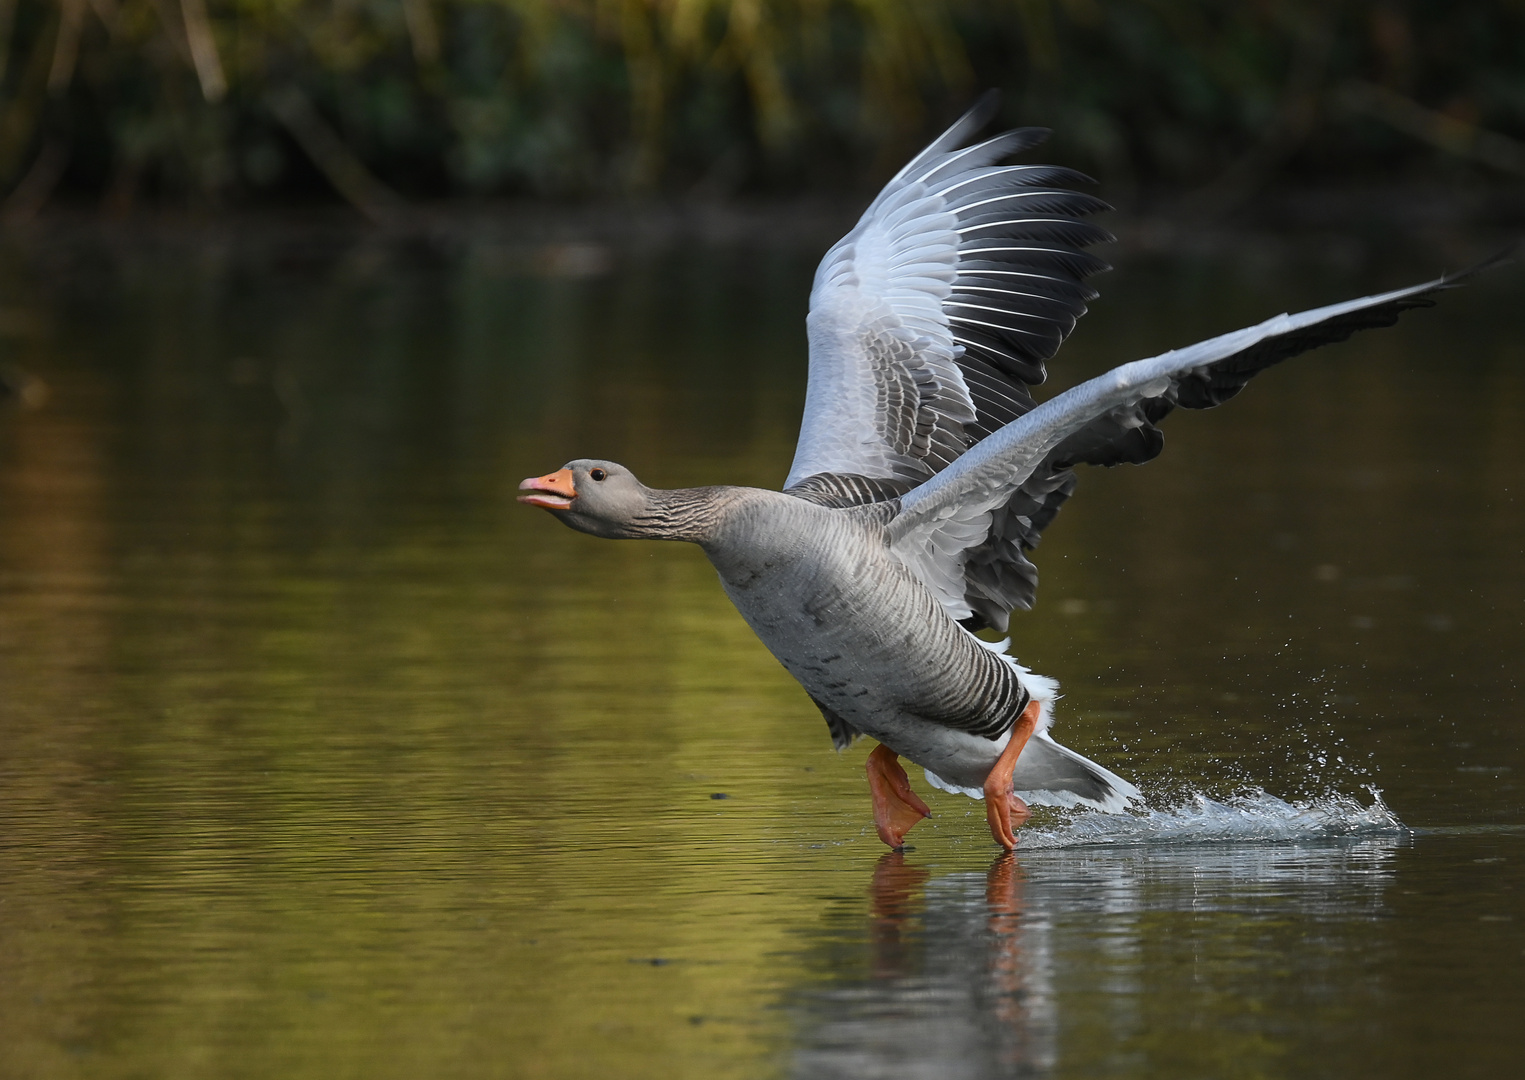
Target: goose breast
864	636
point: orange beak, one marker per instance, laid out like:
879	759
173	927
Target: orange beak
554	491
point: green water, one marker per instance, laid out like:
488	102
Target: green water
321	757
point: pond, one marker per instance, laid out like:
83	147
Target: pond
323	757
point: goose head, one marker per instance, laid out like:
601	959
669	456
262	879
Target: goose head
592	496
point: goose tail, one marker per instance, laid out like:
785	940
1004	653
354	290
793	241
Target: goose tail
1050	774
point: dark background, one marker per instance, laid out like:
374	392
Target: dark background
1195	106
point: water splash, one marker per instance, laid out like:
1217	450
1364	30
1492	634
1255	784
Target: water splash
1252	816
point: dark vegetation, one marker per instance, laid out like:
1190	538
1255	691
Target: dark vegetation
237	102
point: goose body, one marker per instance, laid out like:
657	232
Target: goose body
821	589
926	473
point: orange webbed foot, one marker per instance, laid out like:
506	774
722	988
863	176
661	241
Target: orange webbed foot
896	807
1003	810
1005	816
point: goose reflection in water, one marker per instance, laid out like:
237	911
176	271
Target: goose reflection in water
957	982
968	974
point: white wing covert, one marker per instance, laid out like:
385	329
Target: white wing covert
929	320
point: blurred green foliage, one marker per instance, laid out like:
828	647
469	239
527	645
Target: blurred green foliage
228	100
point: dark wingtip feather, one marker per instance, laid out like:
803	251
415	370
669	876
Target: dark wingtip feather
984	108
974	120
1025	138
1503	257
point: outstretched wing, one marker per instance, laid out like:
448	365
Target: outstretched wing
965	532
932	317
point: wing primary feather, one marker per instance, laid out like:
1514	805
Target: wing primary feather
1040	174
966	306
993	149
1075	261
1039	303
985	347
1078	201
988	267
978	115
1077	232
964	321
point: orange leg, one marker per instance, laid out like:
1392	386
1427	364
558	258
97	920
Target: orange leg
1003	809
896	807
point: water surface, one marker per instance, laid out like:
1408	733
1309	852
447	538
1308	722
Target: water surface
323	757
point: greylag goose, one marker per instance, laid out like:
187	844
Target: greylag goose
925	472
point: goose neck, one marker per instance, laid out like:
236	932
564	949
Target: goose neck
690	514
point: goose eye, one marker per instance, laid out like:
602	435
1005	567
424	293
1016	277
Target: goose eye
597	474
